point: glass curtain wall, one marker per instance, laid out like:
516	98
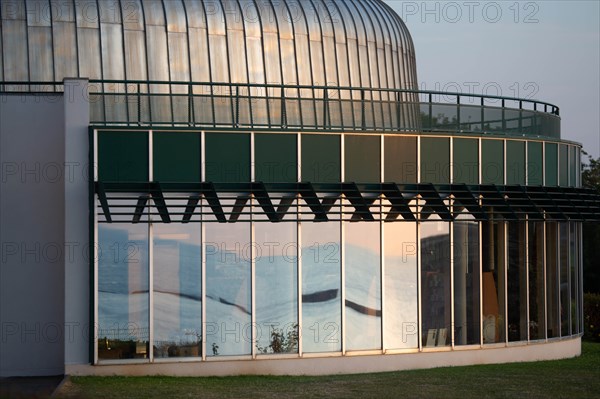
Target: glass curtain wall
229	329
517	282
276	287
123	292
565	297
552	280
466	283
537	297
493	282
401	286
435	284
363	285
321	287
177	290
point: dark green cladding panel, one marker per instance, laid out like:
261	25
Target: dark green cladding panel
400	160
563	166
321	158
362	156
123	156
492	162
275	158
227	157
515	162
572	166
535	164
551	164
177	157
435	160
465	166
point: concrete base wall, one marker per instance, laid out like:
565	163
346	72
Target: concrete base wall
32	214
343	364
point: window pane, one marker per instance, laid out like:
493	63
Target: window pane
466	161
466	283
401	316
276	287
276	158
435	283
515	162
493	282
227	157
565	298
551	164
435	160
517	282
176	157
177	290
321	158
123	300
362	158
123	156
228	307
492	162
535	168
321	285
537	316
363	287
552	311
400	159
563	175
573	259
573	168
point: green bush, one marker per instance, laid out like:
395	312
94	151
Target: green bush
591	312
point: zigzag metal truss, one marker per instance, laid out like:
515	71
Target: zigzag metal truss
288	202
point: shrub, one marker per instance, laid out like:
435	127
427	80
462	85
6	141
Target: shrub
591	316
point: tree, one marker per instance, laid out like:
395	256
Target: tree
591	231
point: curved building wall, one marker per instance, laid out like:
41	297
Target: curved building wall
220	280
308	42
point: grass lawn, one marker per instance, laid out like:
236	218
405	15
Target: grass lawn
571	378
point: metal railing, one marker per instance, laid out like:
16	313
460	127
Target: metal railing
300	107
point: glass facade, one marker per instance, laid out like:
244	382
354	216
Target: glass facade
252	287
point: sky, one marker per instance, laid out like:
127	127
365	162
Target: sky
547	50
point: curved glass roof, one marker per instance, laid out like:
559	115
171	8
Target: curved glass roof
357	43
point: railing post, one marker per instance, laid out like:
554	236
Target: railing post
236	122
482	115
362	109
458	113
325	107
398	110
283	109
139	105
430	111
190	105
503	116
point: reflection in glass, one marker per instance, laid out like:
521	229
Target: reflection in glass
574	270
401	317
228	289
537	316
363	286
517	282
123	301
466	283
552	311
493	288
321	285
276	288
565	298
177	290
435	283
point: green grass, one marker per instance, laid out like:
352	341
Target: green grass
570	378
